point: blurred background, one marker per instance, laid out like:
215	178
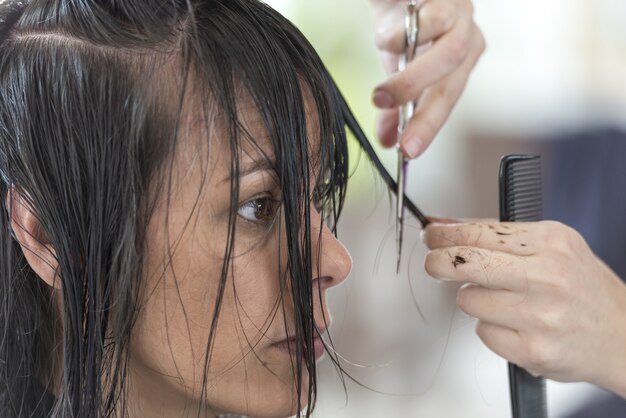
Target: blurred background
552	82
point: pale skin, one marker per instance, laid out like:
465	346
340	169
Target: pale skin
543	300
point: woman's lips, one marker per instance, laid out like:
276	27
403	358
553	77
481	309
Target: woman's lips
288	345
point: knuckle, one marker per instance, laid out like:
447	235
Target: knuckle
549	319
482	331
457	50
564	238
428	261
442	17
464	298
571	237
404	88
576	241
552	276
539	354
448	97
558	284
431	264
482	42
573	240
428	128
395	42
550	224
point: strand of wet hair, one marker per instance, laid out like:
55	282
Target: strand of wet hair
366	145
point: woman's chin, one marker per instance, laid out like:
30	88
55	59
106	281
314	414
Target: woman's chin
275	401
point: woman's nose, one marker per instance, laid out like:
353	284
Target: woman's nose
332	261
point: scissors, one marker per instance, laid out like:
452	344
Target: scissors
411	26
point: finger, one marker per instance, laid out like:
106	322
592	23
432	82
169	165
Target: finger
435	19
436	104
487	268
387	127
446	55
516	238
390	62
503	341
499	307
534	373
434	220
437	220
390	31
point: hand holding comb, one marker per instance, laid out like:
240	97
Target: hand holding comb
521	200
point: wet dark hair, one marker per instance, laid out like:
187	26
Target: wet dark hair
91	101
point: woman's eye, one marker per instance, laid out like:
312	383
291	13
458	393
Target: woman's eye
261	210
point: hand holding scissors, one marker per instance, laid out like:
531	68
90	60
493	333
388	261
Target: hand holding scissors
435	79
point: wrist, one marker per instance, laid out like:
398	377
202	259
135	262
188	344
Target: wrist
614	377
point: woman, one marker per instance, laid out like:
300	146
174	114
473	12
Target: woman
167	167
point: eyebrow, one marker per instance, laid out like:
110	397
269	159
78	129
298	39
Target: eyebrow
263	164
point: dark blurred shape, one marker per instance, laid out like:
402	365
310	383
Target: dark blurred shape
586	189
606	406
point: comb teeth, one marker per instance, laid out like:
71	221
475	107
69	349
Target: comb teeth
520	188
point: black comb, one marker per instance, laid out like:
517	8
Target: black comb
521	200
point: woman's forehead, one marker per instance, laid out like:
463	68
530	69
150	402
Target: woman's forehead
255	140
209	137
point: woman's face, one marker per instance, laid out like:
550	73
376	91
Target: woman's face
250	370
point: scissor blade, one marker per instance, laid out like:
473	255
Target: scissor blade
402	166
406	113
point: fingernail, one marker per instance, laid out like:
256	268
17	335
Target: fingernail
412	147
442	279
423	236
382	99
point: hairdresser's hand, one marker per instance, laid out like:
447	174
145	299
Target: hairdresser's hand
544	301
435	78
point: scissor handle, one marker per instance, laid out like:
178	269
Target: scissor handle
411	26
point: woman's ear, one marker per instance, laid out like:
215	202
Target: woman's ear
32	238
